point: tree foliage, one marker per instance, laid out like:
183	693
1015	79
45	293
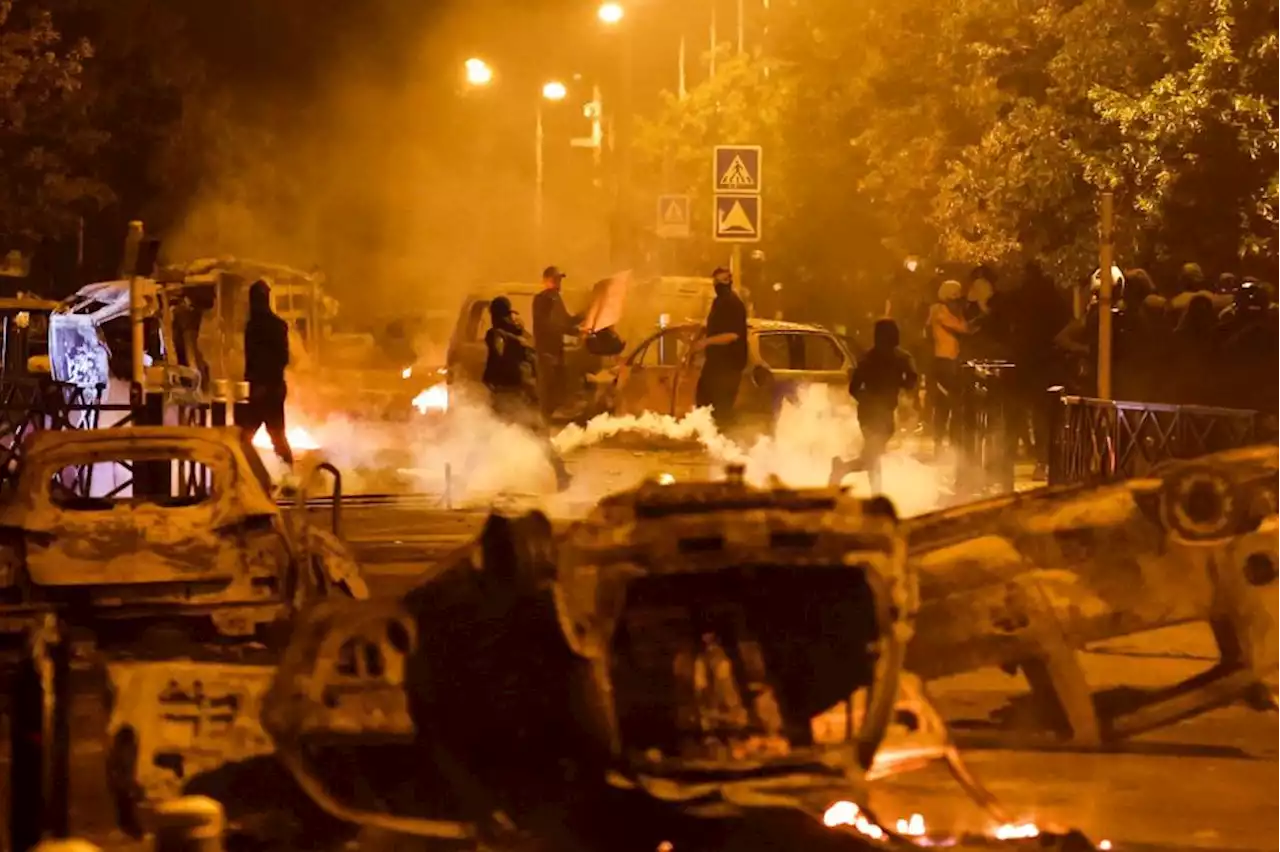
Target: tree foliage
986	130
47	140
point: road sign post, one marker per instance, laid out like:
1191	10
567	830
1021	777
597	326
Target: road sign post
736	179
673	217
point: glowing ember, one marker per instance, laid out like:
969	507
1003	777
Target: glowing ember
847	813
434	398
1104	845
406	373
1019	831
913	827
299	439
665	479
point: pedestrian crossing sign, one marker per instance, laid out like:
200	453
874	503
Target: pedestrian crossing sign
737	219
673	216
737	169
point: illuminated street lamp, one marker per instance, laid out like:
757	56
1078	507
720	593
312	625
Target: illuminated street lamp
610	13
478	72
552	90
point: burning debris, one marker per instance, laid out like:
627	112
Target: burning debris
434	398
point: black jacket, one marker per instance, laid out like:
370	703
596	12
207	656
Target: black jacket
881	374
266	341
551	322
507	365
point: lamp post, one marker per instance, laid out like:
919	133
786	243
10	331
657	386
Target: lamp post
552	91
611	14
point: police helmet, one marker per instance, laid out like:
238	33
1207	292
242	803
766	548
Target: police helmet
1251	296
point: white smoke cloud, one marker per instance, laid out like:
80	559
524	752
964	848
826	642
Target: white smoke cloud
481	460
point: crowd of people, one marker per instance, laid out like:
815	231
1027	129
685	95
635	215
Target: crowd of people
1184	341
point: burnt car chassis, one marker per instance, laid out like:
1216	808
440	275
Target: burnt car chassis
650	676
1029	582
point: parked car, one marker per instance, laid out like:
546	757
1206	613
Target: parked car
661	376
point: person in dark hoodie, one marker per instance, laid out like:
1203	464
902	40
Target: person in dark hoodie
509	374
884	372
266	355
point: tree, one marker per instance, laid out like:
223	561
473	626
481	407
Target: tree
46	139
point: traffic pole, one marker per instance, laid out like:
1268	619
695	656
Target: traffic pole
1105	299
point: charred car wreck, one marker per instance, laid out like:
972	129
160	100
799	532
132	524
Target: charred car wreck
1027	582
167	567
664	675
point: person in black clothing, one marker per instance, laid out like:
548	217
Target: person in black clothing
266	355
726	347
551	322
509	374
880	376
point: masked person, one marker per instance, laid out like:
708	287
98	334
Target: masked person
884	372
726	350
266	355
551	322
510	376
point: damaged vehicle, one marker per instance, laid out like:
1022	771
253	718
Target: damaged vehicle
1029	582
632	311
661	373
697	666
177	575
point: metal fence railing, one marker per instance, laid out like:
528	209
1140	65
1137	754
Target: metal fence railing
1097	440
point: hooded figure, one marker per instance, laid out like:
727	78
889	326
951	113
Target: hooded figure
726	347
884	372
266	355
509	376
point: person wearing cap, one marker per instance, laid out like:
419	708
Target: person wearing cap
508	374
726	347
266	355
551	322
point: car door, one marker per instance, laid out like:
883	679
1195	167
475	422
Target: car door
787	360
647	379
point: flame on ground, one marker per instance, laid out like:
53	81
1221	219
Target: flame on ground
406	373
1016	831
299	439
434	398
913	827
849	814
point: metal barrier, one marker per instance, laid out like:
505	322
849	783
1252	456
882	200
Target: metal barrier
1097	440
986	414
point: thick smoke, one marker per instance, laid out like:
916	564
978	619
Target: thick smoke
479	460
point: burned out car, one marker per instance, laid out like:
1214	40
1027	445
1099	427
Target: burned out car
1028	582
204	538
661	669
162	554
661	373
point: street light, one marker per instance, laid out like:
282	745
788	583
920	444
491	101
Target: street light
610	13
478	72
552	90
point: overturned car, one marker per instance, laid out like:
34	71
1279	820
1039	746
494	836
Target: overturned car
1028	582
655	675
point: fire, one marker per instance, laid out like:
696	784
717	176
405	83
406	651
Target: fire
913	827
1018	831
406	373
434	398
848	813
299	439
665	479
